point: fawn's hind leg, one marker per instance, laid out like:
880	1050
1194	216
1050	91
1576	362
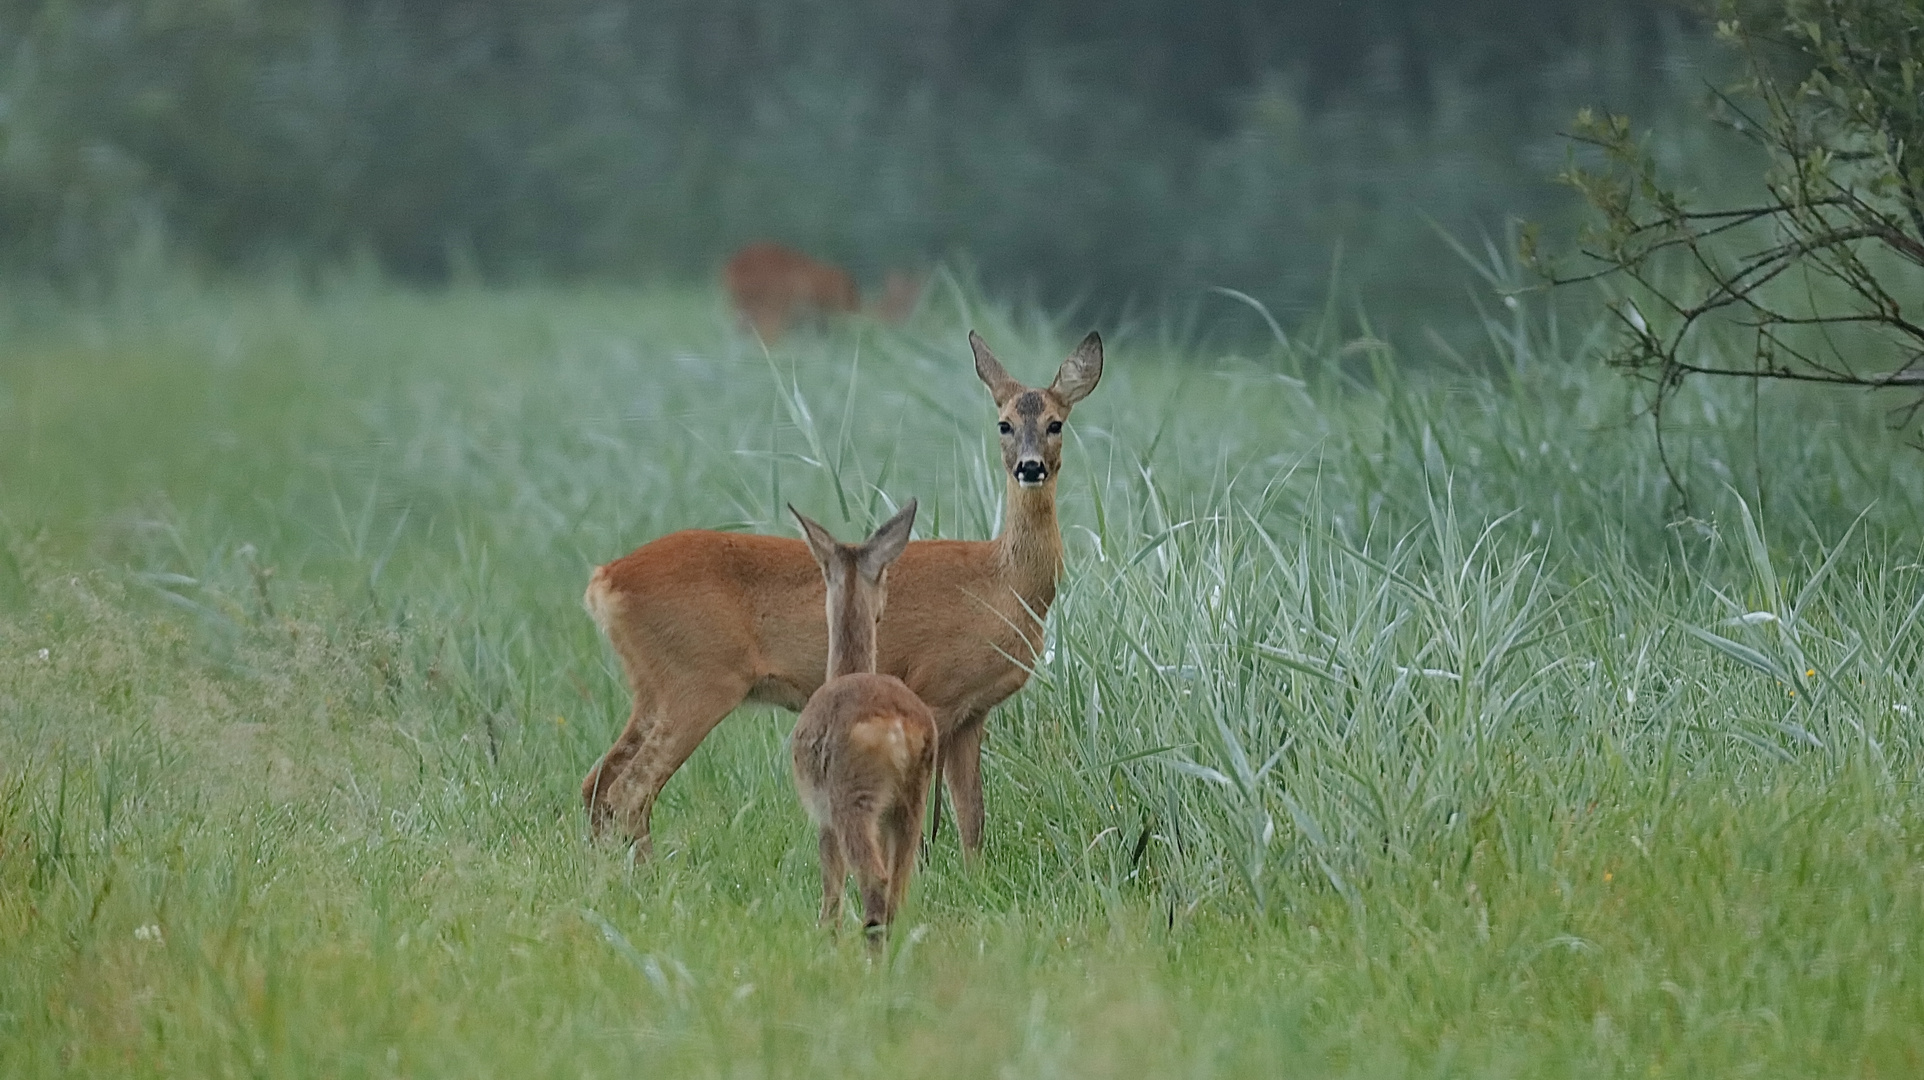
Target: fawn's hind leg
862	847
905	834
834	873
907	822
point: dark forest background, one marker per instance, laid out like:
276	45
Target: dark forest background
1116	154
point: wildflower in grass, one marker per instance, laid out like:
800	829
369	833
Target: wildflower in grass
149	932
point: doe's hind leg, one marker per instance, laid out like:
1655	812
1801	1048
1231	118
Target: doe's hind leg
595	785
683	717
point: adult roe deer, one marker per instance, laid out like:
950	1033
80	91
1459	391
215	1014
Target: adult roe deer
703	621
774	287
864	748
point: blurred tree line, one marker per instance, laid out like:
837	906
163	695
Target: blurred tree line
1122	151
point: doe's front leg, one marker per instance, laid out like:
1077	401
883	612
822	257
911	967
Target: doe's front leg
962	768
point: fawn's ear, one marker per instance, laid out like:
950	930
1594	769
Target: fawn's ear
1080	373
820	543
989	370
886	545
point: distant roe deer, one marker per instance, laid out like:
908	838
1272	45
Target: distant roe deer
864	748
774	287
703	621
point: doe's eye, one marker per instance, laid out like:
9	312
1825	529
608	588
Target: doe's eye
1005	428
1055	427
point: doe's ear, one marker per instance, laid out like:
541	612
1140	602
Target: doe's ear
886	545
820	543
1080	373
989	370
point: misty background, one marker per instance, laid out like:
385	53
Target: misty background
1119	157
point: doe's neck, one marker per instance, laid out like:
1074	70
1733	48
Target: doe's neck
1032	538
851	633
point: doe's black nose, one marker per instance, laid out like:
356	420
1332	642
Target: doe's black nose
1031	471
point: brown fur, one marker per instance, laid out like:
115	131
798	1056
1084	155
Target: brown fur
864	748
703	621
901	293
773	288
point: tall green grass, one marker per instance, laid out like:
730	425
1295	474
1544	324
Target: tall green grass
1389	723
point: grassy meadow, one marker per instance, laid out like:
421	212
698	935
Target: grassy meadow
1397	718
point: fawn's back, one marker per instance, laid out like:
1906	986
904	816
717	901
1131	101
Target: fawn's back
866	740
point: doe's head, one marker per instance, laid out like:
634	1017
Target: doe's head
1030	420
857	574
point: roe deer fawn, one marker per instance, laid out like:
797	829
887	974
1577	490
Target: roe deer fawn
864	748
703	621
774	287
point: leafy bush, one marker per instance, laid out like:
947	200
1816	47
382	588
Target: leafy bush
1809	279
